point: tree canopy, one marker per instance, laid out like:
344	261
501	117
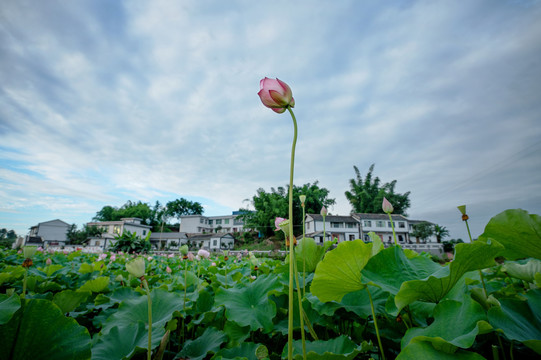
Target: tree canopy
366	195
155	216
273	204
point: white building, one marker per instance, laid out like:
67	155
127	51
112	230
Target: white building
213	242
340	227
171	240
113	228
54	233
200	224
357	226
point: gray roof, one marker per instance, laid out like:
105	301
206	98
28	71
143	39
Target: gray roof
366	216
333	218
167	235
201	237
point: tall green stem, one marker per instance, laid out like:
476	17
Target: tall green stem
291	255
303	253
480	272
149	352
392	225
23	295
375	323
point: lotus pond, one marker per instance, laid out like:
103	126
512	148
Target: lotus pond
485	304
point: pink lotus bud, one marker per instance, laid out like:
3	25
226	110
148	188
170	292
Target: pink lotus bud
277	223
168	270
323	211
387	206
149	258
190	256
48	261
213	264
113	257
275	94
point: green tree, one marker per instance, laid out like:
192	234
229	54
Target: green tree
7	238
131	243
78	237
180	207
366	195
441	232
422	231
270	205
130	209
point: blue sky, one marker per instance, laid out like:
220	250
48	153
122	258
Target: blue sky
103	102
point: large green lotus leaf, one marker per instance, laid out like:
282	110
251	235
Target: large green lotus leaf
340	348
124	293
520	320
96	285
8	306
164	304
51	269
250	305
525	271
123	343
311	252
391	267
422	350
39	330
339	273
518	231
198	349
323	308
245	351
456	324
358	302
471	256
236	334
69	300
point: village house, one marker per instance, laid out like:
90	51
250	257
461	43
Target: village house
48	233
200	224
113	228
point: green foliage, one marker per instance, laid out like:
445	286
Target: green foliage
179	207
366	195
81	236
7	238
441	232
275	204
39	330
422	231
131	243
226	308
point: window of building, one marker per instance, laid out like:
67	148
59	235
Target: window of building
226	221
201	220
401	224
144	232
367	223
351	237
116	229
351	225
400	238
210	222
97	243
380	223
218	221
336	224
308	225
389	224
215	242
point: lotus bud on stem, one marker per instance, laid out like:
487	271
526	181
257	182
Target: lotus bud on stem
387	208
277	95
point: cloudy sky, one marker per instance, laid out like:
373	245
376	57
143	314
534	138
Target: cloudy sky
102	102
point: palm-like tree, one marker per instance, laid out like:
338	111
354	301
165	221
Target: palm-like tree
440	232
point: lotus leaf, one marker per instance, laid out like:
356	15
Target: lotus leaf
8	306
518	231
520	320
250	305
209	341
456	324
39	330
472	256
422	350
340	348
